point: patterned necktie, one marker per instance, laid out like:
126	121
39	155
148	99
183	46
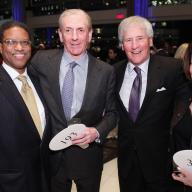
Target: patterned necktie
29	99
67	91
134	100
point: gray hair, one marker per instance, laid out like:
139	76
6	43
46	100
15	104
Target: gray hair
138	20
69	12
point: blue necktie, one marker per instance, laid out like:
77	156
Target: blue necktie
67	91
134	100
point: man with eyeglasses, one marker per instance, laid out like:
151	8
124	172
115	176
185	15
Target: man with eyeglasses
24	128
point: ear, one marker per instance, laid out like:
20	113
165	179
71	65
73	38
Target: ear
60	35
151	42
122	47
90	35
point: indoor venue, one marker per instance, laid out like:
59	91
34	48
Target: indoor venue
171	21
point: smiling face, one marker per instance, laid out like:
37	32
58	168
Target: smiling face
75	34
136	44
15	55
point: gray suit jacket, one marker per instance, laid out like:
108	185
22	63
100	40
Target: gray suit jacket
98	108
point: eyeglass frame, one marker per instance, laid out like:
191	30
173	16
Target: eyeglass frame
13	43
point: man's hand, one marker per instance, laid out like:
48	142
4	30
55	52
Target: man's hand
185	176
88	136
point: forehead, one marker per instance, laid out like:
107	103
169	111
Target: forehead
16	32
134	30
75	21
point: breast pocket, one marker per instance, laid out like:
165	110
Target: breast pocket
161	100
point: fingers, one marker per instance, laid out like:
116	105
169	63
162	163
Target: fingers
80	139
185	176
88	136
178	177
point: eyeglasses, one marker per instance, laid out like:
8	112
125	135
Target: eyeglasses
13	43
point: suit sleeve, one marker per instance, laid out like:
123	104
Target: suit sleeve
33	65
110	116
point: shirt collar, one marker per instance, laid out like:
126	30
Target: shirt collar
12	72
68	59
143	66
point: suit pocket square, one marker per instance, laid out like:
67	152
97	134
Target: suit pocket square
161	89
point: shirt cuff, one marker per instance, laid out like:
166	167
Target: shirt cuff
97	140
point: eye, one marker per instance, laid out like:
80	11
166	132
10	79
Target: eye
25	43
81	30
128	40
10	42
67	30
140	38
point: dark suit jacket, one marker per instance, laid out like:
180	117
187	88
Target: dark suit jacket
182	122
20	160
149	135
98	109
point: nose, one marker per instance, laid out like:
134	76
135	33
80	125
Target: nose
134	44
18	46
74	35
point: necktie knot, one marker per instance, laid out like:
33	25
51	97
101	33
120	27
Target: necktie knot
72	65
23	79
137	70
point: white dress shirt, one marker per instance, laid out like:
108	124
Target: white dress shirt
14	74
127	84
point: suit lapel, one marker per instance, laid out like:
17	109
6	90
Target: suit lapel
154	81
121	71
120	77
54	68
93	70
39	92
9	90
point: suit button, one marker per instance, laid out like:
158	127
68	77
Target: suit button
178	114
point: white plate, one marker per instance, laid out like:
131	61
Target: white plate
183	159
63	138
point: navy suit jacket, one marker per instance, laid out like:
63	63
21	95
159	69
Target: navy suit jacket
21	148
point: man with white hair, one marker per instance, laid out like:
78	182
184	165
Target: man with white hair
146	89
